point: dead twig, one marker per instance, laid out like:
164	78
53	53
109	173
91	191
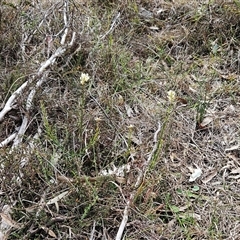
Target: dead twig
40	78
141	174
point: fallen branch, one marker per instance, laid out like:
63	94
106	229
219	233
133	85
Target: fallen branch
12	100
8	140
137	184
113	25
10	104
128	206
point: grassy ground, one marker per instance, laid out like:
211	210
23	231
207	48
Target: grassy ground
121	145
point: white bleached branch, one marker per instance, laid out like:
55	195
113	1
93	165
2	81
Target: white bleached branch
65	10
127	207
113	25
137	184
12	100
40	77
155	146
8	140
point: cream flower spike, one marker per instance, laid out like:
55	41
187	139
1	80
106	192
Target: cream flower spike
84	78
171	96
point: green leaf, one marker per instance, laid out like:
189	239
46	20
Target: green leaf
195	188
174	209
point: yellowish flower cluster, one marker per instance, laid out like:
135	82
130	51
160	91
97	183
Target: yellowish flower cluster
84	78
171	96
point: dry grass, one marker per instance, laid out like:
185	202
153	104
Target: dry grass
134	51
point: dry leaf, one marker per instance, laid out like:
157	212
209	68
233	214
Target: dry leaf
193	215
129	110
234	177
206	121
57	198
226	167
182	100
49	232
63	178
230	109
209	177
32	208
232	157
135	140
232	148
154	28
120	180
231	76
8	222
192	89
120	100
234	171
183	208
144	13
